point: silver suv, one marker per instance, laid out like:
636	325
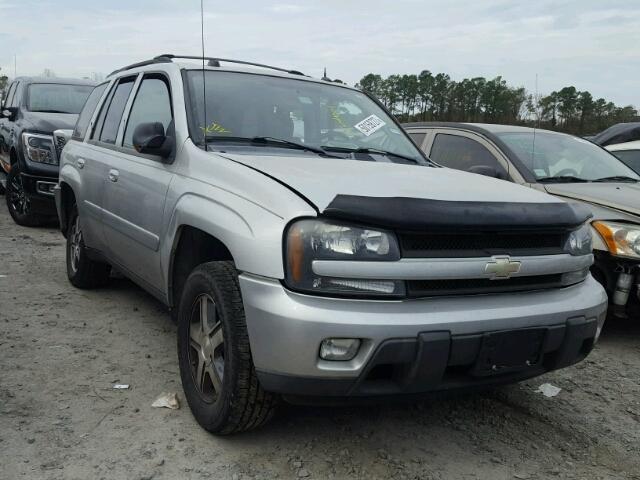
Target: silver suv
307	248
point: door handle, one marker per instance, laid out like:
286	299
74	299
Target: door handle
80	163
113	175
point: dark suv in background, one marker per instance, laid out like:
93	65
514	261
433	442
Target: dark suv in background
32	110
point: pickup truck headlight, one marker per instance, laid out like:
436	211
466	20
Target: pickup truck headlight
39	148
309	240
622	239
580	241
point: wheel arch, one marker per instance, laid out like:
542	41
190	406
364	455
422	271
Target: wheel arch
67	200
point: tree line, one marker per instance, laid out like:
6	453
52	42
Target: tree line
436	97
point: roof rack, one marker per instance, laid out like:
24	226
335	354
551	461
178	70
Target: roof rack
212	62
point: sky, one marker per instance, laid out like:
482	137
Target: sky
590	44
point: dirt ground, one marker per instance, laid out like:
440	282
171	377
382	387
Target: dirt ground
62	349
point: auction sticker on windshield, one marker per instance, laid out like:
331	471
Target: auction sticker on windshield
370	125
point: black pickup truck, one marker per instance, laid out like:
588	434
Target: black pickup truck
33	108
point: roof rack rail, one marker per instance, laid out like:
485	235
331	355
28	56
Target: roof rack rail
215	62
158	59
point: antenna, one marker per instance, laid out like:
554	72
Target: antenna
536	121
204	89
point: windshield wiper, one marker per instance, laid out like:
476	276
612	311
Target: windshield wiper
271	140
562	179
48	111
374	151
617	178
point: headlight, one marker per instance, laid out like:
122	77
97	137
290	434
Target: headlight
39	148
622	239
309	240
580	242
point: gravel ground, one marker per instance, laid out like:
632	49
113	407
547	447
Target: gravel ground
62	349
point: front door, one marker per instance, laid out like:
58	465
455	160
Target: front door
136	187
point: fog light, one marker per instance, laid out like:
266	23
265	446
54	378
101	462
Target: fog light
339	348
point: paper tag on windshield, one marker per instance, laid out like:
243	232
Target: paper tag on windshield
370	125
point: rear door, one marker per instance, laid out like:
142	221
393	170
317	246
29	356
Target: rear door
95	156
137	185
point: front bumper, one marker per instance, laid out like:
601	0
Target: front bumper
409	346
40	191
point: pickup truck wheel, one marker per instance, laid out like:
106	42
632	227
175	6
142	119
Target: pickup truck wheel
217	371
17	200
81	270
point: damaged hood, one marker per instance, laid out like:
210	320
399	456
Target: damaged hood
320	180
624	197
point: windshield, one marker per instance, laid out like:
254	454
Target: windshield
324	117
57	98
564	157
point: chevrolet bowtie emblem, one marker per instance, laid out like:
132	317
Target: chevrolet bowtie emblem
501	268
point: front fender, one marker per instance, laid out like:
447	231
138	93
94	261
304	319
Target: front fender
252	234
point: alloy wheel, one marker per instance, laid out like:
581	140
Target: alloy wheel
75	244
17	196
206	348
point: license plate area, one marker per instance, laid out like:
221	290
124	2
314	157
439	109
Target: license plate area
509	351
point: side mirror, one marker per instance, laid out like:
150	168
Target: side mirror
151	139
487	171
9	112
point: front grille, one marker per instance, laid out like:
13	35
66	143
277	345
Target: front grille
430	288
422	245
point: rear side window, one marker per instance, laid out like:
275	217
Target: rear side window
630	157
152	104
462	153
112	110
87	112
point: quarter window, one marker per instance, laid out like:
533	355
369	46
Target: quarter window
463	153
418	138
87	111
152	104
111	115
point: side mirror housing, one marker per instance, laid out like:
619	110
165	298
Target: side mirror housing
9	112
150	138
487	171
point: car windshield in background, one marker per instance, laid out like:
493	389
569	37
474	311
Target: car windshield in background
57	98
266	111
562	158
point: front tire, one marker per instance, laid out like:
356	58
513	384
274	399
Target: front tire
81	270
17	200
216	368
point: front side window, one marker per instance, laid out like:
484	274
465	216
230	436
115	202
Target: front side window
243	106
152	104
87	111
631	158
57	98
9	97
462	153
559	158
112	114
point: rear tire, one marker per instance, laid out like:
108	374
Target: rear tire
17	200
217	371
82	271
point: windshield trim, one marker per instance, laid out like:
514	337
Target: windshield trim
192	122
27	98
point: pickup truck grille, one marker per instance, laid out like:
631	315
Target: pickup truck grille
434	288
463	244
